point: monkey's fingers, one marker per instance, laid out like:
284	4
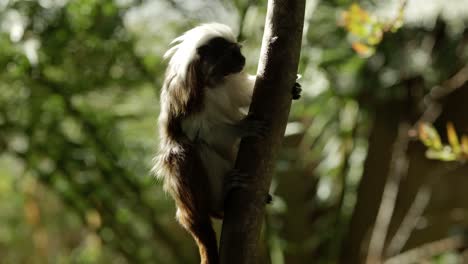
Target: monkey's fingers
296	91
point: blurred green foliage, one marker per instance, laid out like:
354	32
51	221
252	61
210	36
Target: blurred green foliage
79	85
456	149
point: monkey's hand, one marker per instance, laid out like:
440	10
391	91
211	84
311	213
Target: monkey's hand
296	91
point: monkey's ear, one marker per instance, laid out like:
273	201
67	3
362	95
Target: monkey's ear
194	84
193	77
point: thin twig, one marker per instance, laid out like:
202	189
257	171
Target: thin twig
390	25
428	250
398	169
410	220
451	84
431	100
416	210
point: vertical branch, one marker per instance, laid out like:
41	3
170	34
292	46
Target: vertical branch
416	210
399	168
429	250
271	102
410	220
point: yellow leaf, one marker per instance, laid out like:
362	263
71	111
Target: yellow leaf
376	36
345	19
453	138
365	29
363	49
444	154
354	17
464	145
32	212
429	136
94	219
358	12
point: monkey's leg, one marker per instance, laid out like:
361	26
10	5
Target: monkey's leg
236	179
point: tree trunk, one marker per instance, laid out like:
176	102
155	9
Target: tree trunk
244	209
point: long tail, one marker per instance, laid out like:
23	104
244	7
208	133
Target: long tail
206	241
205	237
185	178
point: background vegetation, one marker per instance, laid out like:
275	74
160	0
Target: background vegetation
79	85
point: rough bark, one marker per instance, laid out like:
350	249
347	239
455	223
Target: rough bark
279	58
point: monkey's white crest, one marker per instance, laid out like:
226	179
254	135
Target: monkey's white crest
185	47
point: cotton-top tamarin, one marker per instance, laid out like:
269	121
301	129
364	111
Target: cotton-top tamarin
203	116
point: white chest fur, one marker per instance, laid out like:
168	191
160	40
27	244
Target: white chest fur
213	129
223	107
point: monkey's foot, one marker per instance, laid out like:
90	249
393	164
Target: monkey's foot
235	179
296	91
252	127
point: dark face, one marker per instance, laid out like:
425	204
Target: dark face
221	57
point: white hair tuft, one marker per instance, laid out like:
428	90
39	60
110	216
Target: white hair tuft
184	48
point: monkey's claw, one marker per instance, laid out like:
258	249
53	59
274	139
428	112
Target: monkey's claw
296	91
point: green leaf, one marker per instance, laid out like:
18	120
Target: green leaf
429	136
445	154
